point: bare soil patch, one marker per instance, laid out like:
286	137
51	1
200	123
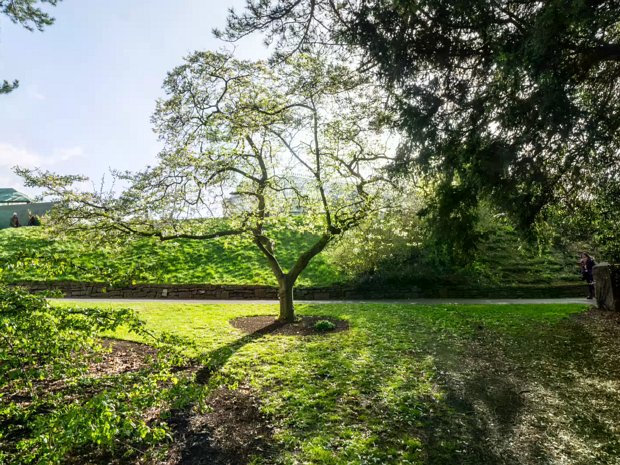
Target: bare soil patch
595	315
122	357
230	433
302	327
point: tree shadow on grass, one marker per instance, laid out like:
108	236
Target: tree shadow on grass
499	389
500	393
478	412
231	430
217	358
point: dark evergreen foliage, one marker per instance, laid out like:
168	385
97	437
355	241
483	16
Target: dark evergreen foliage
509	99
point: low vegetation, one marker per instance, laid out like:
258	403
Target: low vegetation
33	254
60	399
399	249
501	260
403	384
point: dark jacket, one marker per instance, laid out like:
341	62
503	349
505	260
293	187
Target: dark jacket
587	265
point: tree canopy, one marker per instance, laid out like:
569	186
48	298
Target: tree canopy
30	15
514	100
296	145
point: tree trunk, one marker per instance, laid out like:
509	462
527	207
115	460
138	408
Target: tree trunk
286	281
285	294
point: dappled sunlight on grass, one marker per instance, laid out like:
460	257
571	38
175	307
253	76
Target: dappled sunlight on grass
418	384
32	254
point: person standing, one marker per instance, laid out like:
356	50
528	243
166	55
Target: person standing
587	274
14	223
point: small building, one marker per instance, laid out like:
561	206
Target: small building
12	201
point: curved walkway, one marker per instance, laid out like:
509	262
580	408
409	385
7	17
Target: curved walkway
567	300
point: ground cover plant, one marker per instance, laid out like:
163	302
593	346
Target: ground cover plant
59	400
403	384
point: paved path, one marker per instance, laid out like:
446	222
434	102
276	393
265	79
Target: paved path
571	300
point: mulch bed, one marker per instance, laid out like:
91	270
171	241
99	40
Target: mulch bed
123	357
302	327
601	316
229	433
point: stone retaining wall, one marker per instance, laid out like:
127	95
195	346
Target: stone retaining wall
206	291
607	286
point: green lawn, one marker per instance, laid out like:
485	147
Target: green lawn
536	384
32	254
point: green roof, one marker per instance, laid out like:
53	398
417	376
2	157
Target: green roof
8	195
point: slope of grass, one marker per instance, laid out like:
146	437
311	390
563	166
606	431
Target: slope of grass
31	254
501	259
421	385
506	258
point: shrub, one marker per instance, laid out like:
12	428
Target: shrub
51	408
324	325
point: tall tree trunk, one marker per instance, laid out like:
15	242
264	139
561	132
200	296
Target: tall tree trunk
285	294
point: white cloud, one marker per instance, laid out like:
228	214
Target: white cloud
11	156
9	181
66	154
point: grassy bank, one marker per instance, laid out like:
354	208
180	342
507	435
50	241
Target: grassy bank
31	254
417	384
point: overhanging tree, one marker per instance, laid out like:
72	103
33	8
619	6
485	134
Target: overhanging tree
296	145
26	13
512	99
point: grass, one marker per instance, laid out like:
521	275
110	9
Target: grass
510	260
501	259
31	254
410	384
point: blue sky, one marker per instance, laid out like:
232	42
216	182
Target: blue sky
88	84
